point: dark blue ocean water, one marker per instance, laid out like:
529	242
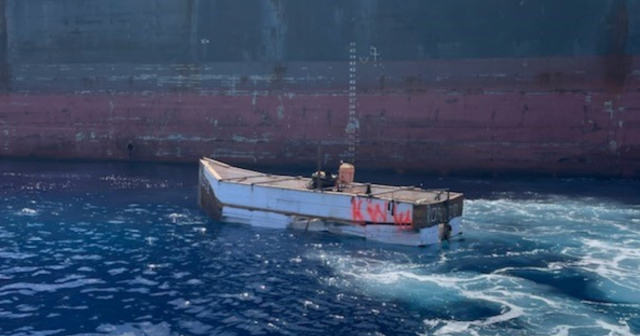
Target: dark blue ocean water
122	249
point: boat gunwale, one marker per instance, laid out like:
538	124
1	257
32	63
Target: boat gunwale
416	202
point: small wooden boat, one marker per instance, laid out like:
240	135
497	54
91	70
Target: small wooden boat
390	214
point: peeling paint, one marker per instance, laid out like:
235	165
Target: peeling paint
254	97
233	80
489	92
280	112
280	108
234	155
6	134
239	138
403	138
352	126
175	137
608	108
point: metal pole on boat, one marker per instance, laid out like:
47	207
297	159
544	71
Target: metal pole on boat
319	167
447	207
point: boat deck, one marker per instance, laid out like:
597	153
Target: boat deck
408	194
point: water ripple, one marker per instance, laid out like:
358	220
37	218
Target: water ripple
125	252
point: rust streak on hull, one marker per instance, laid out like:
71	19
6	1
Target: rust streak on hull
456	86
540	124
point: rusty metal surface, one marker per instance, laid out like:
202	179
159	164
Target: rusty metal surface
450	87
207	199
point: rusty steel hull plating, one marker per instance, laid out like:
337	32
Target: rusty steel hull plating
158	81
482	123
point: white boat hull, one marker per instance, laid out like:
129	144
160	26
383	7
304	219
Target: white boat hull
265	205
381	233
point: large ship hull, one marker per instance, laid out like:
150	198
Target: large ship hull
518	109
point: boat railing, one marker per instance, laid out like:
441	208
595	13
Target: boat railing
242	178
393	190
278	180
